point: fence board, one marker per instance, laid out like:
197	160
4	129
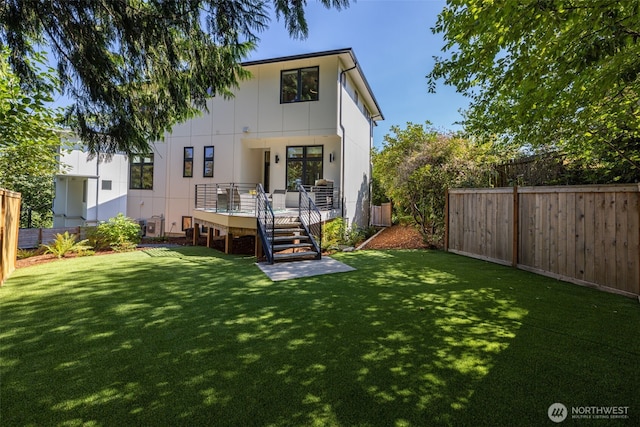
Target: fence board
610	236
599	237
580	232
633	233
588	235
552	234
561	244
9	224
571	236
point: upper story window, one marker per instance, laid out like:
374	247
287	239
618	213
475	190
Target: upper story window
141	173
208	162
299	85
187	163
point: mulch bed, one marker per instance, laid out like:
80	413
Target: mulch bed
397	237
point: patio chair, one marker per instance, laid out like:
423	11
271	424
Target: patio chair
278	199
234	199
323	193
222	201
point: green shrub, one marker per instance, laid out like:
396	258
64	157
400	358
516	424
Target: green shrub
28	253
119	233
66	243
333	234
336	234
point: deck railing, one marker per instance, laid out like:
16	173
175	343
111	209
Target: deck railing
231	198
325	196
310	218
266	222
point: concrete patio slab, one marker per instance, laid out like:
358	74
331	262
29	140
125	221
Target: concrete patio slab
294	270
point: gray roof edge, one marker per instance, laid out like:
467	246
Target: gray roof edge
349	51
298	57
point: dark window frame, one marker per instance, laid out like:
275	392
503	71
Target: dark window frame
140	161
299	85
208	159
304	160
187	162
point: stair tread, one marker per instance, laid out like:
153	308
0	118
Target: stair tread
288	230
295	255
287	225
288	238
291	246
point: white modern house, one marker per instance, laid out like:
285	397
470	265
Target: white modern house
304	119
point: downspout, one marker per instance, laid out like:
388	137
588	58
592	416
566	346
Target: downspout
342	165
97	186
370	170
372	123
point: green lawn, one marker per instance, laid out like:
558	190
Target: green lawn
191	337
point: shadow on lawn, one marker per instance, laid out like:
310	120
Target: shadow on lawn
180	338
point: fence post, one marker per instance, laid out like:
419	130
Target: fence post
516	228
638	201
446	220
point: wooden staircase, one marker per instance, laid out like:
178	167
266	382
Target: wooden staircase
291	242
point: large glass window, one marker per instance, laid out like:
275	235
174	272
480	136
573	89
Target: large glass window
208	162
299	85
304	163
141	173
187	166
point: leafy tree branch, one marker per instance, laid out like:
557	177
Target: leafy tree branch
561	75
135	68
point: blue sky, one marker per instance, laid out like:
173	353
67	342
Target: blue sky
393	42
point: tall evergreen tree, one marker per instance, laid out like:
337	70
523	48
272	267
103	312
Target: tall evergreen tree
134	68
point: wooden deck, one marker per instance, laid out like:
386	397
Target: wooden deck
224	225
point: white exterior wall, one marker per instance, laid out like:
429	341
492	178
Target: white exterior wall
79	192
143	204
357	137
243	128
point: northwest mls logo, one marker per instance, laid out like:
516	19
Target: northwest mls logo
557	412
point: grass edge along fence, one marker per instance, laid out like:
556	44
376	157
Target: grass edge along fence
9	226
588	235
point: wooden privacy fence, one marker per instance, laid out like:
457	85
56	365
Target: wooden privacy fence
9	225
589	235
30	238
381	215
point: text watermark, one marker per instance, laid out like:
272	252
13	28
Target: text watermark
558	412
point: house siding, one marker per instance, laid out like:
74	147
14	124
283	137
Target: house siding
357	137
71	206
253	122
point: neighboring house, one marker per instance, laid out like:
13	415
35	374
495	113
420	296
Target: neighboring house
89	189
307	117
